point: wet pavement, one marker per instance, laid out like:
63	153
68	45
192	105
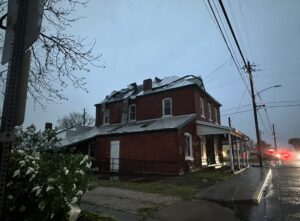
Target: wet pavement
127	205
280	200
246	187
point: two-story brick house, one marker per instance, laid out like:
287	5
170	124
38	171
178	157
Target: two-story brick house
169	125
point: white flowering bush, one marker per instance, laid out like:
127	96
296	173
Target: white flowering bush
43	182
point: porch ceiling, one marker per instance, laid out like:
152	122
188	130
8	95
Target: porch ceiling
205	128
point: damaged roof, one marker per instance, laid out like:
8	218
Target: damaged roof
166	123
133	90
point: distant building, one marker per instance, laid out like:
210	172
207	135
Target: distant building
167	126
296	143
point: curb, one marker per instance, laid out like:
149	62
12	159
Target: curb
258	194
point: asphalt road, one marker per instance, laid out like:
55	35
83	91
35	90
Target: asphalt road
281	198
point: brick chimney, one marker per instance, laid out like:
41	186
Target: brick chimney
147	85
48	126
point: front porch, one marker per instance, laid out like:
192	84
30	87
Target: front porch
215	138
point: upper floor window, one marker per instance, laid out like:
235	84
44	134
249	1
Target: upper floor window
209	111
132	112
167	106
202	107
216	115
106	117
188	146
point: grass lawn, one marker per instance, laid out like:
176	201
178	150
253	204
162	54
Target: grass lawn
184	186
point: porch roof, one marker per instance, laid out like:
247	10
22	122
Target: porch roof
205	128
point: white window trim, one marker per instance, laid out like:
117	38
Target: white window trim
209	112
191	157
106	123
163	107
202	113
132	105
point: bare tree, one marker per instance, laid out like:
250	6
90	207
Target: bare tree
58	58
75	119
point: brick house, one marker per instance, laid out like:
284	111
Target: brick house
167	126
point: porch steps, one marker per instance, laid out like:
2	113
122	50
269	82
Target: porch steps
216	165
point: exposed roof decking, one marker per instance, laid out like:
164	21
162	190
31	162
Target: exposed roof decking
158	85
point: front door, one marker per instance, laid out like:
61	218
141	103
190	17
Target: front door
114	155
210	149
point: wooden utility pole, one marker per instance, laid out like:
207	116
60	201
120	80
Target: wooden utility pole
84	117
258	143
274	137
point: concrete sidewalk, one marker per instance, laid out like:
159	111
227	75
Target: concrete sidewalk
244	187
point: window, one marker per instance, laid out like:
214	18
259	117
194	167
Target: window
167	106
216	115
209	111
202	107
106	117
188	146
132	112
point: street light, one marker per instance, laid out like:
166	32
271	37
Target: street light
274	86
255	116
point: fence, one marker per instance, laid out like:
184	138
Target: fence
133	166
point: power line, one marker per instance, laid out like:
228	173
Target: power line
262	122
239	71
218	68
245	26
240	103
232	32
234	54
270	107
225	31
237	28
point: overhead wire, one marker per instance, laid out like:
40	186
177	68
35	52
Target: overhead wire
238	69
232	32
237	30
269	107
224	30
262	122
244	25
240	103
215	71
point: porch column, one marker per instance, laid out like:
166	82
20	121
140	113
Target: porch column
238	153
230	151
244	153
247	155
203	151
216	149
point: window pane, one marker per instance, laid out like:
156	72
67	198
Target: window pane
167	107
201	106
132	112
106	116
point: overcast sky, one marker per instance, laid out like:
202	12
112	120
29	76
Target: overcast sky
149	38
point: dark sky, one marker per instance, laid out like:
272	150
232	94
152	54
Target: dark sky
144	39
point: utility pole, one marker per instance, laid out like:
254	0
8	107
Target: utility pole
22	29
84	117
258	143
274	137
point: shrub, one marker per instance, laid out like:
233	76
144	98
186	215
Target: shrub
43	182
